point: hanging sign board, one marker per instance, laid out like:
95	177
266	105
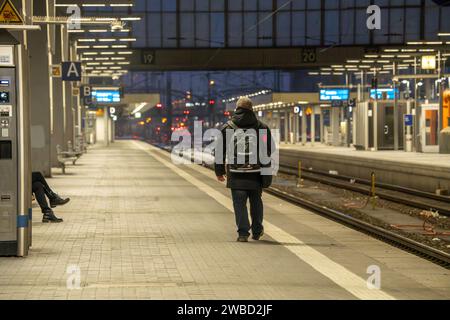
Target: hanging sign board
429	62
71	71
334	94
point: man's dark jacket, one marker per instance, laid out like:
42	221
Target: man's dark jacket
244	119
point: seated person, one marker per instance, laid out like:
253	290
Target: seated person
41	190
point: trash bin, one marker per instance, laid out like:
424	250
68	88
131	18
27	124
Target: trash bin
444	145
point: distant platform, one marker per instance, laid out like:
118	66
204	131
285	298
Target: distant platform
421	171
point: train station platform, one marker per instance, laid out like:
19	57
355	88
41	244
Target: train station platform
421	171
139	227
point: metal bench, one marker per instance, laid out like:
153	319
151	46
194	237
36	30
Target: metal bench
74	151
65	157
80	144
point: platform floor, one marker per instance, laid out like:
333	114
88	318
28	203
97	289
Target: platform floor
139	227
416	158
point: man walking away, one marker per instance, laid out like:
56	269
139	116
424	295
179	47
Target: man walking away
244	180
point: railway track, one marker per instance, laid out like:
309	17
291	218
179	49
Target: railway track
410	197
422	250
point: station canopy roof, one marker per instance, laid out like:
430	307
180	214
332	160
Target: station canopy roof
402	58
104	48
101	3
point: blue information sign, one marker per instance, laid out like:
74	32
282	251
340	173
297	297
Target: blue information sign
106	96
378	94
408	120
334	94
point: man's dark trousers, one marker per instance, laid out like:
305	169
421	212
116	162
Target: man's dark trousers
240	198
41	189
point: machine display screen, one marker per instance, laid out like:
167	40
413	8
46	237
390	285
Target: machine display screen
4	83
106	96
5	150
379	93
334	94
4	97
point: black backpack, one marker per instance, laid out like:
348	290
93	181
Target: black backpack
245	155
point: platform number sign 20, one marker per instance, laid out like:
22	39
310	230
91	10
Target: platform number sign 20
309	56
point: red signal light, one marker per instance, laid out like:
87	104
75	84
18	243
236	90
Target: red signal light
212	102
159	105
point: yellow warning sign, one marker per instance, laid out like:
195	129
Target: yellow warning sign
9	14
56	71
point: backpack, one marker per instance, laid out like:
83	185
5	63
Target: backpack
245	155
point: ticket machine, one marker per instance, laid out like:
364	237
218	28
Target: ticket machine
15	175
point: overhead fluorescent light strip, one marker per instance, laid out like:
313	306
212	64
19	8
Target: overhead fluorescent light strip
93	5
131	19
139	107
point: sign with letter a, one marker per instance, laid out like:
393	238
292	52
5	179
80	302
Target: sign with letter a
71	71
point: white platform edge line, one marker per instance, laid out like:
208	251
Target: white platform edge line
321	263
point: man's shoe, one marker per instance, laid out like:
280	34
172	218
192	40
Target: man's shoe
242	239
58	201
258	237
49	217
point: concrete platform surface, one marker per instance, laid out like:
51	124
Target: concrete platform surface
140	227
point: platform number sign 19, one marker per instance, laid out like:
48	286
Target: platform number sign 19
309	56
148	57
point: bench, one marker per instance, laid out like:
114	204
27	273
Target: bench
65	157
80	144
77	152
